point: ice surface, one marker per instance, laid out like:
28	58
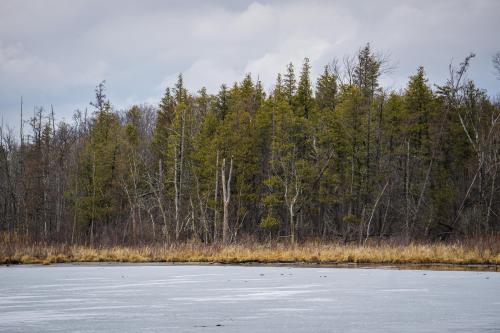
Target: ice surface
218	298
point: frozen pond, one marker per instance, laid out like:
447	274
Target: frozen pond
197	298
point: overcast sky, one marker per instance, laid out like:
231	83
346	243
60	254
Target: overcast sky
55	52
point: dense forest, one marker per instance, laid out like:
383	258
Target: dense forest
340	158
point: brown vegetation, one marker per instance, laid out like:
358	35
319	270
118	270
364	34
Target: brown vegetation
484	251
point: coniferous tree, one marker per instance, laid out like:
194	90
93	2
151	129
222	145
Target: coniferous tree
304	91
326	90
289	84
99	170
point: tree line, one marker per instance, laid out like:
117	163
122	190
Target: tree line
342	159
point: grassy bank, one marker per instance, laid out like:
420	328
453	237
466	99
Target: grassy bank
453	253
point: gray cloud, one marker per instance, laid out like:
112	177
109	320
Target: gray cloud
54	52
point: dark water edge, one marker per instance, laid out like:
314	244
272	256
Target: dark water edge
428	267
406	266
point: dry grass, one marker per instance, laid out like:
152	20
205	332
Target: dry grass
455	253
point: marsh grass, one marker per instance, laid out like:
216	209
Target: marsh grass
462	253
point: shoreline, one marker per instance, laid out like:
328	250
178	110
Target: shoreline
348	265
434	255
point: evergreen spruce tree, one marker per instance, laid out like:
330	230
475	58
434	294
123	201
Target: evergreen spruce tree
304	91
326	90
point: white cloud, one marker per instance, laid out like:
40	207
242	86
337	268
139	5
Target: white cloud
55	51
205	73
18	66
294	50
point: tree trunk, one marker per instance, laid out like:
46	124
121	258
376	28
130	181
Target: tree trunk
216	195
292	224
226	196
407	192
